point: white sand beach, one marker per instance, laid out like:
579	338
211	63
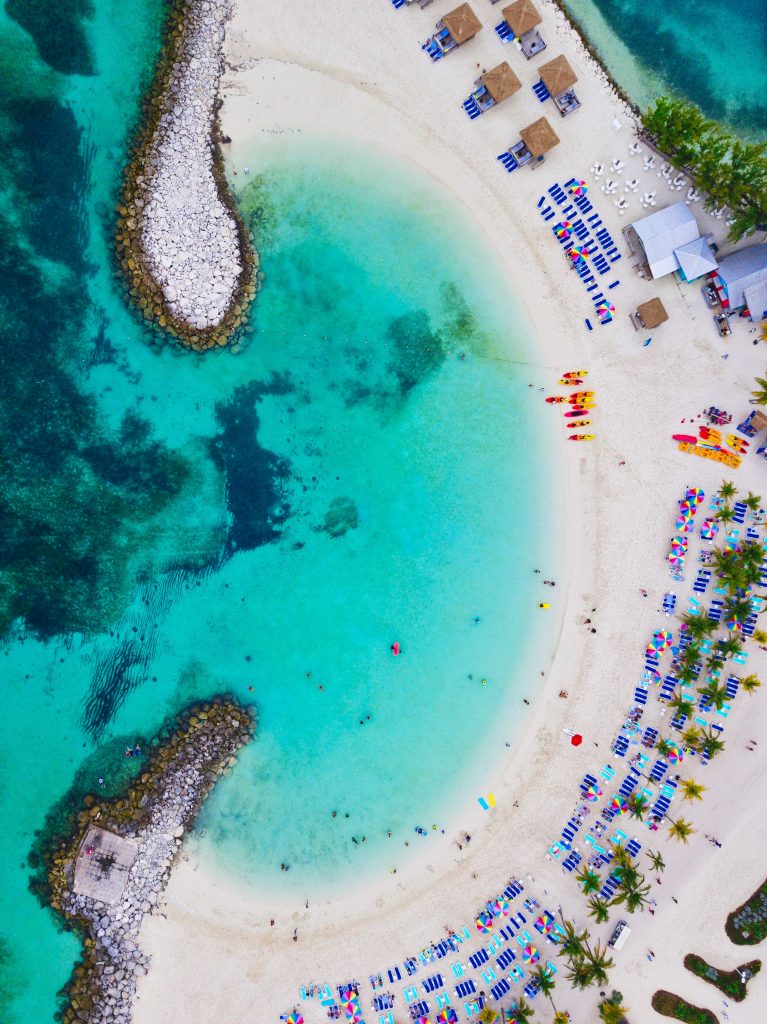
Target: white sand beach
354	68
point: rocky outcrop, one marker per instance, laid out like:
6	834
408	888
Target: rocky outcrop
188	259
154	814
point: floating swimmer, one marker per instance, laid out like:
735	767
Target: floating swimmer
544	605
395	648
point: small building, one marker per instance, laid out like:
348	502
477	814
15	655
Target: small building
667	237
495	86
558	77
741	281
523	19
538	138
651	314
462	24
103	864
695	259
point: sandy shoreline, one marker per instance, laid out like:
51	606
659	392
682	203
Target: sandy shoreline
360	73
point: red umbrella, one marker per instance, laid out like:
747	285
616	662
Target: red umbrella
576	739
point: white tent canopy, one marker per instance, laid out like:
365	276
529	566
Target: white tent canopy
664	231
695	259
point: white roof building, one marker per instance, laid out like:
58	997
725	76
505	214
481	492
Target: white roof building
744	276
660	234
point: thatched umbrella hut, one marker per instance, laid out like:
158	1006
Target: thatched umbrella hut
500	82
539	137
557	75
652	314
462	24
522	17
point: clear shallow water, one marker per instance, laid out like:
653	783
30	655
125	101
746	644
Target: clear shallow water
711	52
179	526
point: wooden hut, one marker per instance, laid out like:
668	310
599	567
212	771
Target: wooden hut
462	24
652	314
523	19
557	75
500	82
539	137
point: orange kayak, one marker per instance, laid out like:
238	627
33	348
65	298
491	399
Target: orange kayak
569	374
582	437
556	398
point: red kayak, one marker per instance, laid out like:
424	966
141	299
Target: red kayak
689	438
556	398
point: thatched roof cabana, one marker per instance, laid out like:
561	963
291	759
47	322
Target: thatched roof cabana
522	16
652	313
462	23
539	137
558	75
759	422
501	82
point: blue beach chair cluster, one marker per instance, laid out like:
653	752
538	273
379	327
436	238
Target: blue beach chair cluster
541	91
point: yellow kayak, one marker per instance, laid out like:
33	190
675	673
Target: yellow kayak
582	437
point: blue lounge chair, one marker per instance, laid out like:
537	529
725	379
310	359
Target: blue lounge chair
480	957
499	991
659	769
394	974
541	92
508	161
504	32
465	988
472	108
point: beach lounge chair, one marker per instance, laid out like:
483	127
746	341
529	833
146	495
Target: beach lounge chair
387	1018
620	746
505	959
508	161
443	1000
504	32
465	988
472	108
640	696
739	510
419	1009
433	983
410	993
458	969
499	990
541	91
480	957
659	769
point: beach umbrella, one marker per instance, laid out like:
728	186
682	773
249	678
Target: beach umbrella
576	739
577	253
593	793
545	923
674	753
684	523
695	494
734	624
709	529
484	922
448	1016
578	188
423	1020
619	805
500	907
530	954
293	1018
562	230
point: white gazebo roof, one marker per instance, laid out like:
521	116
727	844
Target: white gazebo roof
664	231
696	258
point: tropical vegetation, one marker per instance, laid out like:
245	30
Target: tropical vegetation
731	983
612	1010
586	964
674	1006
747	925
731	172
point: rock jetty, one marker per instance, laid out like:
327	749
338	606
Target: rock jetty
150	820
187	257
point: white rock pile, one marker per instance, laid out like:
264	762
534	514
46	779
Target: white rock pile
188	237
104	988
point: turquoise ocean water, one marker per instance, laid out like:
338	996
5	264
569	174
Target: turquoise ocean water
711	52
371	466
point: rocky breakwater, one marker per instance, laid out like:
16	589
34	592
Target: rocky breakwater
186	255
149	821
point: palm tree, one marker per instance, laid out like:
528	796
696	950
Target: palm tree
561	1017
488	1015
699	626
691	790
728	490
664	746
573	943
637	805
545	981
522	1011
760	395
681	830
753	501
710	744
737	608
716	694
730	647
691	737
724	514
681	704
598	964
750	683
656	860
579	974
590	880
598	909
612	1010
759	636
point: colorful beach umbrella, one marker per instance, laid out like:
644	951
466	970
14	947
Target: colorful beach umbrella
293	1018
619	805
578	188
593	793
448	1016
695	494
563	229
500	907
545	923
576	739
530	954
709	529
734	624
674	753
578	252
484	922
